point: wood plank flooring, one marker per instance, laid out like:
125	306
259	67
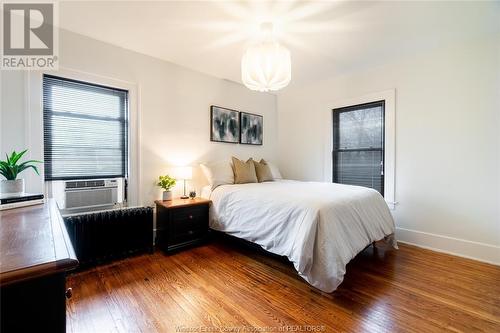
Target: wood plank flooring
220	287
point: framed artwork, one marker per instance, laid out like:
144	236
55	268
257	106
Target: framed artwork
224	125
251	128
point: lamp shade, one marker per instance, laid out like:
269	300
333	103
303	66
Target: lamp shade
266	66
183	173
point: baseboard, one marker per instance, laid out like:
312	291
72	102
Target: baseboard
455	246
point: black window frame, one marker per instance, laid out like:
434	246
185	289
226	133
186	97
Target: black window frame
336	138
47	139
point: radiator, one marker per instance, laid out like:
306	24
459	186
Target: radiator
104	236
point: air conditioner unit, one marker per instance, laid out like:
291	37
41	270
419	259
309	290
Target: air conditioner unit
91	193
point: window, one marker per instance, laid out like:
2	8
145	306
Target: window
358	145
85	130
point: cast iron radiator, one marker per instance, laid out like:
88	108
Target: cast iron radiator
104	236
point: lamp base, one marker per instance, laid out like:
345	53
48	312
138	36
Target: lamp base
184	197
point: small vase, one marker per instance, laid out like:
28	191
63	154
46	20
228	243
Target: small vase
167	195
12	187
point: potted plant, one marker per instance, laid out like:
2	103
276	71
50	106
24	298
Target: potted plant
10	169
166	183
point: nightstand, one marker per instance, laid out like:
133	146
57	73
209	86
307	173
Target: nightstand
181	223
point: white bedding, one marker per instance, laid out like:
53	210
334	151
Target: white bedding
320	227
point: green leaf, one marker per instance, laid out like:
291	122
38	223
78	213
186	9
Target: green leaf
16	157
8	174
12	157
29	162
4	169
15	171
27	167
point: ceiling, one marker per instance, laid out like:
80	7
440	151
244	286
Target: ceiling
325	38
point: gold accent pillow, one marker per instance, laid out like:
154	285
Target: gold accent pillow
263	171
244	172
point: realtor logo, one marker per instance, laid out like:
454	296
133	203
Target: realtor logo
29	37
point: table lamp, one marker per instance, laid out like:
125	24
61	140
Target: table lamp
183	173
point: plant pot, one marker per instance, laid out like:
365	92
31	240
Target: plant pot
167	195
12	187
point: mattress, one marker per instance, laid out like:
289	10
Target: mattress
320	227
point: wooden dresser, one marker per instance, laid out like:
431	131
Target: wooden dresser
35	254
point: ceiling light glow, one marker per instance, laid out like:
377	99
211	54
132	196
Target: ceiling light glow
266	65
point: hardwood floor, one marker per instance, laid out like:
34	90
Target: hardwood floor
219	287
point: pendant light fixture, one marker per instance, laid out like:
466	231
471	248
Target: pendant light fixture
266	65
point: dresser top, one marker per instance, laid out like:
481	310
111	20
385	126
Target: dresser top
175	203
33	242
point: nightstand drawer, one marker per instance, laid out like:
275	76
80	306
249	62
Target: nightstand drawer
180	215
186	236
191	223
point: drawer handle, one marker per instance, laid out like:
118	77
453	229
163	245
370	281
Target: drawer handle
69	293
190	217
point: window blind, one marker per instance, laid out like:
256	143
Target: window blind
85	130
358	145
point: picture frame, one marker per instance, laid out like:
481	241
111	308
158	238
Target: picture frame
251	129
224	125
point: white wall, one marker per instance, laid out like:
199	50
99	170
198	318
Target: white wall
447	142
13	110
173	106
15	123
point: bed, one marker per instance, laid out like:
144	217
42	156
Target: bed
320	227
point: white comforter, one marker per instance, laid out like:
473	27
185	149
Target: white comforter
320	227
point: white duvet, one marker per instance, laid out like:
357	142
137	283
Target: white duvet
320	227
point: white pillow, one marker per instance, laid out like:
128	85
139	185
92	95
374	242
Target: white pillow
274	170
218	173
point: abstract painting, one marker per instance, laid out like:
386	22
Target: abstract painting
251	128
224	124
